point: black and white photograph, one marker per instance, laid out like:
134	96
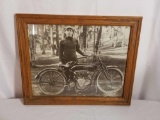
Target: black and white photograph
77	60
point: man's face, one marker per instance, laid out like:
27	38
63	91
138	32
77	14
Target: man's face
69	33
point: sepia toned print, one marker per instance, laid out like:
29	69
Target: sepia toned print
77	60
74	60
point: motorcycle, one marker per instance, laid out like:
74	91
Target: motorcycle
107	79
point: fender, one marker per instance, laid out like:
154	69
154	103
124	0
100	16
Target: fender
112	66
46	69
109	66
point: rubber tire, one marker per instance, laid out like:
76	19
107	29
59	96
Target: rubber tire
47	92
111	91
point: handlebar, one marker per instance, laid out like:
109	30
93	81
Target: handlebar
84	57
74	62
89	56
97	56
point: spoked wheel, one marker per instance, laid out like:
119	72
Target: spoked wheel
113	83
52	82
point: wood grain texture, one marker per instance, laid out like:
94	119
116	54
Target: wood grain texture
23	19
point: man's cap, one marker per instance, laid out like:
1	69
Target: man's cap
69	27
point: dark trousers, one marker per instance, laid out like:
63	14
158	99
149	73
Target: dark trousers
68	73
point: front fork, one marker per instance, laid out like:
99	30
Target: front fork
104	70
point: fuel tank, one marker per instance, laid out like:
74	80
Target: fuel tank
89	67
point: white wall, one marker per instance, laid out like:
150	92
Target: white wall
147	81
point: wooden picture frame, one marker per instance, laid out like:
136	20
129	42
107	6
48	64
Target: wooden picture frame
42	44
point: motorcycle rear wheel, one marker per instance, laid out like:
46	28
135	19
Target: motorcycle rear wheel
113	83
52	82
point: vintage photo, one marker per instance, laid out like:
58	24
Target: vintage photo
78	60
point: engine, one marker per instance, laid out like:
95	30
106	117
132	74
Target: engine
83	78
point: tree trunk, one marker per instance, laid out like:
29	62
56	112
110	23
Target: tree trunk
98	39
84	37
52	40
94	37
44	41
57	40
43	46
32	51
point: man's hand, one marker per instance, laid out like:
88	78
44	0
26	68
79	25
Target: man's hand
60	63
85	55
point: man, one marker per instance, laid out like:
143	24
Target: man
68	48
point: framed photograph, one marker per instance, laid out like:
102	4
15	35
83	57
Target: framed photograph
68	59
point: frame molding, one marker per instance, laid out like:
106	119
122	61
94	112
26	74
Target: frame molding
23	19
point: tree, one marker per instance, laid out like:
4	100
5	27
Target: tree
98	39
32	48
84	37
52	34
57	40
45	40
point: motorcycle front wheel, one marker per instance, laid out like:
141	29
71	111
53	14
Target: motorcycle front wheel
52	82
112	83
